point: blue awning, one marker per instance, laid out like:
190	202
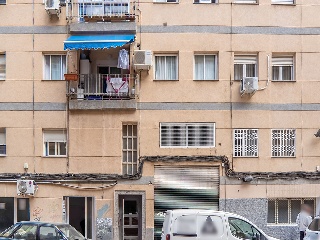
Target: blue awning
97	41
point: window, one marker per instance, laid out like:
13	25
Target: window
129	149
26	231
3	146
2	1
282	68
48	233
55	142
8	213
245	1
245	66
204	67
187	135
55	67
2	65
245	143
166	67
244	230
285	211
283	142
283	1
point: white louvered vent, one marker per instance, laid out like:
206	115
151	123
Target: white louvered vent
187	135
245	143
283	142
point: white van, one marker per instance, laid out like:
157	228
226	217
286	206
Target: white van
192	224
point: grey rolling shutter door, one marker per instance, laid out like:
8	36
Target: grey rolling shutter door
184	187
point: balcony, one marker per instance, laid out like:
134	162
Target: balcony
96	16
102	91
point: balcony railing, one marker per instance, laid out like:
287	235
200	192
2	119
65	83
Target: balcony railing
102	87
101	10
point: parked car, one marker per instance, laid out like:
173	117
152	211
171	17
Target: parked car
189	224
313	231
42	231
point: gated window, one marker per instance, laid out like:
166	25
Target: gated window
285	211
245	143
283	142
129	149
185	135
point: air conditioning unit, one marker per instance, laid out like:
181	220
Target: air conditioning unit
26	187
142	59
249	85
52	7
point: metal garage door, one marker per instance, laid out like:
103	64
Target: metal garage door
184	187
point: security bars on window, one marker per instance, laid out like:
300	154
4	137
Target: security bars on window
245	143
283	142
285	211
184	135
129	149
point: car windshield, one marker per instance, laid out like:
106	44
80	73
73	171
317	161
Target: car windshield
8	231
315	225
70	232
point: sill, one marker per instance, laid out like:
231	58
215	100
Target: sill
49	80
246	3
283	4
3	155
206	80
57	156
166	2
246	156
283	80
166	80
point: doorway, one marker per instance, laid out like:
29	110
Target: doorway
79	211
130	217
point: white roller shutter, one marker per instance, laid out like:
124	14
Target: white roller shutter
245	59
184	187
282	61
55	136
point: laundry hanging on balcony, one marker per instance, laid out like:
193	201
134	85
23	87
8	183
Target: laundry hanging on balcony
117	85
83	42
123	59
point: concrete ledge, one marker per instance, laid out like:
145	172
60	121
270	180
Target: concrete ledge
103	27
103	104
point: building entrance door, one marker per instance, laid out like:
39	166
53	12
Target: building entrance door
79	212
130	217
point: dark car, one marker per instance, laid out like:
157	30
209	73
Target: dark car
41	231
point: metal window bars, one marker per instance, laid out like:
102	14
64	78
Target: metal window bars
283	142
245	143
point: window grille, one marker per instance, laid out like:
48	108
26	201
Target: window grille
245	143
187	134
285	211
283	143
129	149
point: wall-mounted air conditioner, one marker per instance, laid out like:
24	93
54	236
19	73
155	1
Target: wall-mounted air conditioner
142	59
26	187
52	7
249	85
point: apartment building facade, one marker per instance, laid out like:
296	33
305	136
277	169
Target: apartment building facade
223	117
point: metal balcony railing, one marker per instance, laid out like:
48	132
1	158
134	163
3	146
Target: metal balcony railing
102	87
100	10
